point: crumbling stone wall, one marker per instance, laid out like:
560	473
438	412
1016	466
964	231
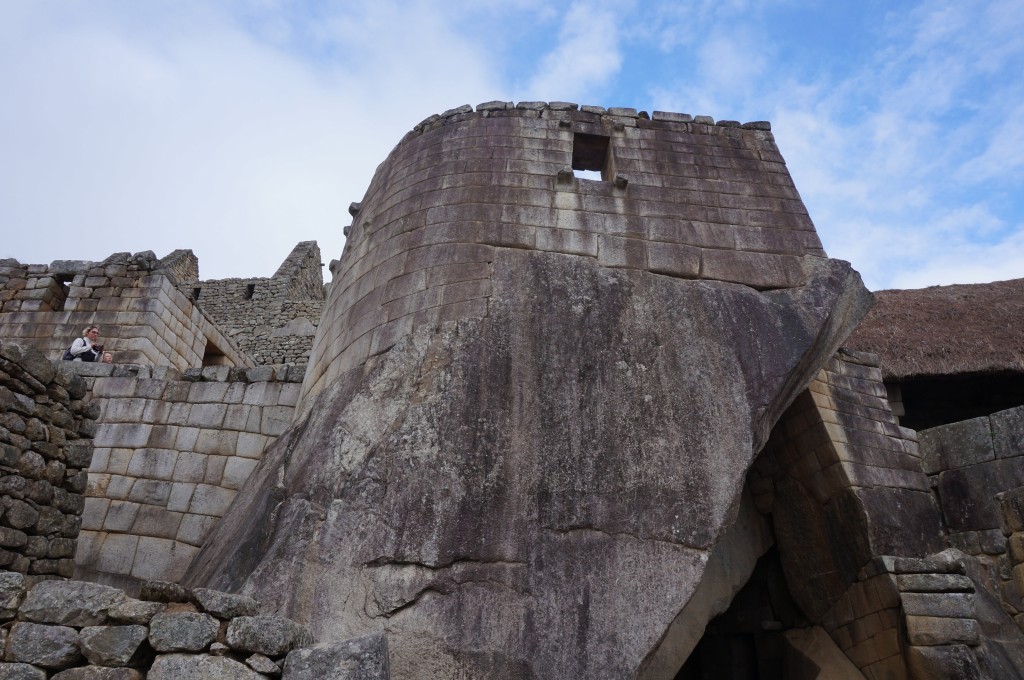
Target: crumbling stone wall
273	320
70	630
143	317
681	197
46	427
171	451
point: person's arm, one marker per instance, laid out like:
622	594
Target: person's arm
80	346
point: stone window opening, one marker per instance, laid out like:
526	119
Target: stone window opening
249	290
591	157
195	293
214	356
61	291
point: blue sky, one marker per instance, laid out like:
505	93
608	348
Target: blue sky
240	128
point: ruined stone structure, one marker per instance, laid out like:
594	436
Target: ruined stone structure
550	427
134	298
272	320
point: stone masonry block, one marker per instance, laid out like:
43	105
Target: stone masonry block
207	392
673	259
94	512
195	528
251	445
150	492
276	420
630	253
180	497
159	559
216	442
215	469
116	553
1006	433
237	417
931	631
187	438
952	605
154	521
207	415
120	516
956	445
153	463
127	410
190	467
211	500
128	435
236	471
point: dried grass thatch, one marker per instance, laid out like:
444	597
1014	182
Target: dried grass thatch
946	330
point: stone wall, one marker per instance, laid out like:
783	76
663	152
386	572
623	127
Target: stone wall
134	300
968	463
46	425
172	450
681	197
861	535
70	630
273	320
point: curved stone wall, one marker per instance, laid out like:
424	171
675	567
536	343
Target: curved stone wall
681	197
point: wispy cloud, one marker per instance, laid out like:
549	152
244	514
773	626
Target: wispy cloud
202	133
585	59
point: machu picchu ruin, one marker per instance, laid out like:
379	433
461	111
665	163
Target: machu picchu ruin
538	425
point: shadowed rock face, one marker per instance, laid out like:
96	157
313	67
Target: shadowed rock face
535	493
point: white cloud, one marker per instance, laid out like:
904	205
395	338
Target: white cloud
150	130
586	57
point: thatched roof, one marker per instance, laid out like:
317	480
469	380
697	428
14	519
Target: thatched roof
946	330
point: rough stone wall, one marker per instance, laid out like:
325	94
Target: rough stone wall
273	320
70	630
46	428
680	197
143	317
838	464
861	536
968	463
171	452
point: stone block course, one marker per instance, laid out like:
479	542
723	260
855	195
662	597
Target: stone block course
171	475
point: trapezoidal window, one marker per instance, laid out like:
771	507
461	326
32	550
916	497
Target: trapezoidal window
214	356
58	293
249	290
591	157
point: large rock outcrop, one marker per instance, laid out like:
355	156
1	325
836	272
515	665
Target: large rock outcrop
545	483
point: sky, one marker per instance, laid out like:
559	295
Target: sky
239	128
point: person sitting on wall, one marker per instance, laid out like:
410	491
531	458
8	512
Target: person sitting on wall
85	348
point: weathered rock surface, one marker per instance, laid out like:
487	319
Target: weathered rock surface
269	635
200	667
21	671
52	647
99	673
364	658
111	645
536	493
225	605
182	631
70	603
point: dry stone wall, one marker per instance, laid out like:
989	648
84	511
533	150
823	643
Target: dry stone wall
273	320
171	451
681	197
46	427
71	630
134	300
